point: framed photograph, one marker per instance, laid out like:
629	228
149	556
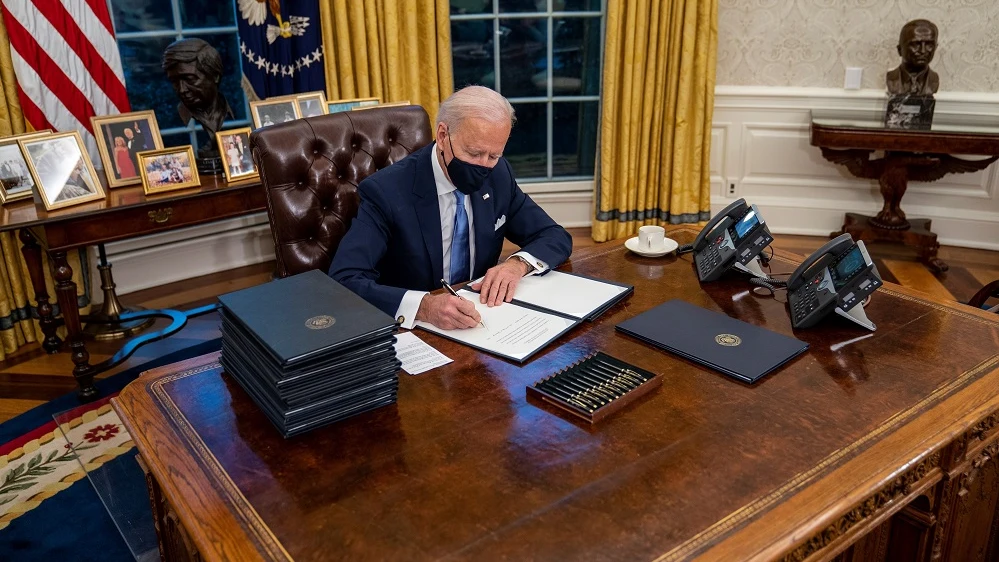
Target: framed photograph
120	138
61	170
272	111
168	169
15	177
312	104
347	105
390	104
234	146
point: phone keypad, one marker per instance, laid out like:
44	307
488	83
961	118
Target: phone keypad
806	300
708	259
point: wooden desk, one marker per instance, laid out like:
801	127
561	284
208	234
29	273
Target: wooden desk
908	155
125	213
868	442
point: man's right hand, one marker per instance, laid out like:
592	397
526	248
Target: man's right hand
448	312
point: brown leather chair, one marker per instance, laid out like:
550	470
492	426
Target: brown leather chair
310	169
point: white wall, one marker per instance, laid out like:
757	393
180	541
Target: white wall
761	152
777	60
150	261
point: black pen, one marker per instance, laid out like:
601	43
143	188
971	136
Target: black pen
453	292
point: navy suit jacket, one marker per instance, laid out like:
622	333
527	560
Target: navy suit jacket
395	244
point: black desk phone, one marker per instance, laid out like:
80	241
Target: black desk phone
734	237
836	278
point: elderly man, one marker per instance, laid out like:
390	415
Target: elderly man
917	43
442	213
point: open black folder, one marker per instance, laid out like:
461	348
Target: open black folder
543	308
736	348
514	331
571	294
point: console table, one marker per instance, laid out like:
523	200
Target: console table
878	446
126	212
908	155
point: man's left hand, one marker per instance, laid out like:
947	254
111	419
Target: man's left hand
500	282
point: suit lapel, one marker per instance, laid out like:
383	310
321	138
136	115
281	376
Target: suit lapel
429	215
483	215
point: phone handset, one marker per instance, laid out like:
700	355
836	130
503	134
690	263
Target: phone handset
836	278
819	260
718	224
734	238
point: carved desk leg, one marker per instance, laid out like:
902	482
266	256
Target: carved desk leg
33	258
66	293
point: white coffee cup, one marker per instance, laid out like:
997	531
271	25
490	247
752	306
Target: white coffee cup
651	237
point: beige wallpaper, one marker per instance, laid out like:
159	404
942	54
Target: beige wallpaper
810	43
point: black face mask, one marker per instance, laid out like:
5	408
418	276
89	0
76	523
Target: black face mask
467	178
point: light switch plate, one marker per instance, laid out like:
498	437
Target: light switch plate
853	77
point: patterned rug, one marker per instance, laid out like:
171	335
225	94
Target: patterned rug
40	464
50	508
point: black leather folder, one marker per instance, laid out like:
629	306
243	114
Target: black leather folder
736	348
303	372
305	316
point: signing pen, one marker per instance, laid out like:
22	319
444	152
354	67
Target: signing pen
455	293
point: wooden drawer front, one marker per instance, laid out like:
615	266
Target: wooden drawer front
148	219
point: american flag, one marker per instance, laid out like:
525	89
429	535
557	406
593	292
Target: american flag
67	63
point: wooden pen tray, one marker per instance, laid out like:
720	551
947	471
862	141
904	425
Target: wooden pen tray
595	387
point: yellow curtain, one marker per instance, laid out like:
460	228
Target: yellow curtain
17	298
391	49
655	125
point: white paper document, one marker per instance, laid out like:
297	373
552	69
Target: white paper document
510	330
569	294
417	356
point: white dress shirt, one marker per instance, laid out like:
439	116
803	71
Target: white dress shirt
410	303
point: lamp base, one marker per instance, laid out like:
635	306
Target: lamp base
102	327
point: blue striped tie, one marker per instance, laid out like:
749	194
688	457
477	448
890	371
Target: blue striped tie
459	242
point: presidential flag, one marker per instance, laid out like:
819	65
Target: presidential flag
281	47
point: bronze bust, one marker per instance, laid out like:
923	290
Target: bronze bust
195	69
916	45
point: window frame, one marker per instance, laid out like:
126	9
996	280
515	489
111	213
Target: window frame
495	16
179	32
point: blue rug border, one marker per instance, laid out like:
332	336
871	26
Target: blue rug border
42	414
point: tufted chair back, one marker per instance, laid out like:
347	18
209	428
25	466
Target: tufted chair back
310	169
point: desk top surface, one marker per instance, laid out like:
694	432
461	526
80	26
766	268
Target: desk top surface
464	466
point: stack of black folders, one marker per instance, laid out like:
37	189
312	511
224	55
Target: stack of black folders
309	351
595	386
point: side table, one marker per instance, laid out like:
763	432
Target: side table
908	155
126	212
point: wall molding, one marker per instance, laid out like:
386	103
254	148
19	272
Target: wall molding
760	151
158	259
760	145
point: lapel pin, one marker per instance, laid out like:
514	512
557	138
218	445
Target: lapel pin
485	196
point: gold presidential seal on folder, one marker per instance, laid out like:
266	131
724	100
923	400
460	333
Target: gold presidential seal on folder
729	340
320	322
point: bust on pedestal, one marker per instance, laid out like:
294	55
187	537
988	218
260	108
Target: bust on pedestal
195	69
917	43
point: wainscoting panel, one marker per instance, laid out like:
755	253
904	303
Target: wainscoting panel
149	261
760	151
761	137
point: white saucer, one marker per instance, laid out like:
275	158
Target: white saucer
669	245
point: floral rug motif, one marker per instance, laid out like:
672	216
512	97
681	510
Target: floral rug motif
40	464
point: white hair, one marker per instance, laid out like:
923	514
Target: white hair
475	101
